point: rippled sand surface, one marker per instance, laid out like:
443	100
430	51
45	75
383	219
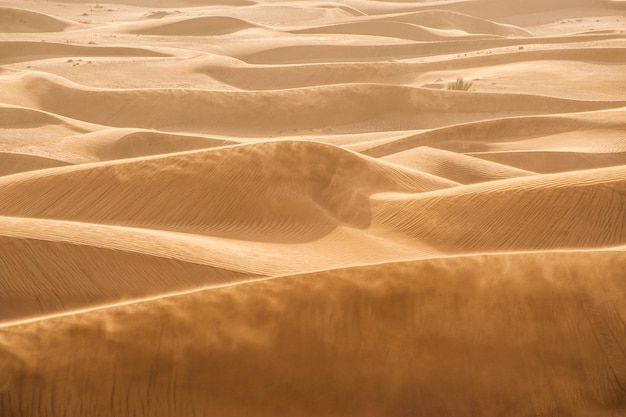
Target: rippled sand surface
284	208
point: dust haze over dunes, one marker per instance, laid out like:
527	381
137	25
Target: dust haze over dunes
280	208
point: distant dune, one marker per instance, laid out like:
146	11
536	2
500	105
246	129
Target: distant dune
26	21
22	51
352	208
199	26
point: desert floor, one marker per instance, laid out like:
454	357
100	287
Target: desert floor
278	208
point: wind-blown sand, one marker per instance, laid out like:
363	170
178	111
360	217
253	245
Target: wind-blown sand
264	208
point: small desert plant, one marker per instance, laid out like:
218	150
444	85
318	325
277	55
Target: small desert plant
460	85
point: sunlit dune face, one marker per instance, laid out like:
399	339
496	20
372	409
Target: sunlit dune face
304	208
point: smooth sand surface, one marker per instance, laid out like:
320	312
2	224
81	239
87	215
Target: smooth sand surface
278	208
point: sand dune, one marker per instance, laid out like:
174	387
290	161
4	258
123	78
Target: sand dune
585	132
23	51
262	77
20	21
29	138
113	144
619	4
366	107
494	8
168	4
199	26
332	52
453	166
397	30
65	276
585	209
609	55
282	191
12	163
555	161
12	117
445	19
473	325
262	208
422	26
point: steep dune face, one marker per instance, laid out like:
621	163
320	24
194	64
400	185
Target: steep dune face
536	333
260	208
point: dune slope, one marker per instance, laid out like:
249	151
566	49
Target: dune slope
278	190
64	276
262	208
582	210
489	330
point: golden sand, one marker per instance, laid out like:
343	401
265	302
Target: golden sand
279	208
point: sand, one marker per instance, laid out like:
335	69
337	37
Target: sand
264	208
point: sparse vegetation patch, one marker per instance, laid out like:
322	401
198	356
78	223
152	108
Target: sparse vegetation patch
460	85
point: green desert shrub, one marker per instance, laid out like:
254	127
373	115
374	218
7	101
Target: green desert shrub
460	85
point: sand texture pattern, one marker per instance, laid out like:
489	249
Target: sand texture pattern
311	208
